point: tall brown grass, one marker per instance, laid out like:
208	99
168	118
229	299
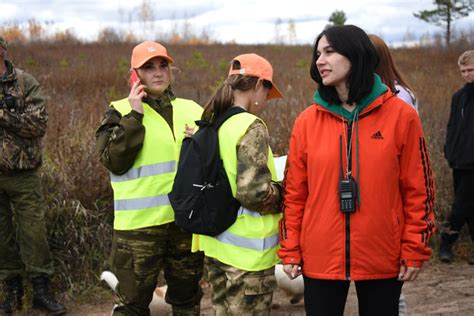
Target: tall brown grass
81	79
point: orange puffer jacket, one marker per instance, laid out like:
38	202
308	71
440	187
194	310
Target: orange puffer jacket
394	219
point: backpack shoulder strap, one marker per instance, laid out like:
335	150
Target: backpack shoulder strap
227	114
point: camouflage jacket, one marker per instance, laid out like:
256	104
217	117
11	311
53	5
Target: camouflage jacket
23	120
255	189
119	138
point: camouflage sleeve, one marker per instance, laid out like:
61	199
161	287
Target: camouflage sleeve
255	189
30	122
119	140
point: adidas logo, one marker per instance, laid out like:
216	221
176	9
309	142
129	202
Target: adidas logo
377	135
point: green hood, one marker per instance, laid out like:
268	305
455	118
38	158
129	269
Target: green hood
377	90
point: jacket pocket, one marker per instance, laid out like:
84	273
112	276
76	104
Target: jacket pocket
396	230
20	153
260	284
123	259
123	267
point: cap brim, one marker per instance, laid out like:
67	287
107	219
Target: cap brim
169	59
274	93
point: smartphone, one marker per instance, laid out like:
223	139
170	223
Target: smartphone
134	78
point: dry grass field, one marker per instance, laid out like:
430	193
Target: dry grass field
81	79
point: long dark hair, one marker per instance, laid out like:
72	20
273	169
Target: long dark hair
223	99
353	43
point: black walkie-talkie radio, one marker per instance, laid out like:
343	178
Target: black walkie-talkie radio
347	194
347	189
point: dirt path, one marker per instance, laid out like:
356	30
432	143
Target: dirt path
441	289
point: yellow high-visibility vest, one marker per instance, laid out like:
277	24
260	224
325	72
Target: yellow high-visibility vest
141	194
252	241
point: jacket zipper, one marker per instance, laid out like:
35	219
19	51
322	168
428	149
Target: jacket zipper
348	215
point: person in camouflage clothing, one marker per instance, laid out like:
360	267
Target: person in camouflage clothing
23	247
240	262
138	142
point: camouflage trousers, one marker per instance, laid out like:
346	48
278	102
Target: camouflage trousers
137	258
23	243
240	292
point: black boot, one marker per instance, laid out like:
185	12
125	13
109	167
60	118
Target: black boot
445	252
13	297
470	259
43	299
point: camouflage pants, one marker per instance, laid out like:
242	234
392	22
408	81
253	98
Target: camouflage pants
23	243
137	258
239	292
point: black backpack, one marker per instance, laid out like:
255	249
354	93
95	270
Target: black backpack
202	197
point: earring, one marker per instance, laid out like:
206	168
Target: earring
256	103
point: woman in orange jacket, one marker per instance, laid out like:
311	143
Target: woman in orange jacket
359	191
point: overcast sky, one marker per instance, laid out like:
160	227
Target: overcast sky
241	21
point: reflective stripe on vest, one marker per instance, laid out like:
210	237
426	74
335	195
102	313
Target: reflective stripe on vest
243	211
252	241
145	171
140	195
141	203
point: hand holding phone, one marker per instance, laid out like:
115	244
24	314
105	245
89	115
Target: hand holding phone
137	93
134	78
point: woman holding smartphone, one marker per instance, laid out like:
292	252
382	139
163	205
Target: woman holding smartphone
139	141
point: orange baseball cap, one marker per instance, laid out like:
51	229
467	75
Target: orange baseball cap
145	51
257	66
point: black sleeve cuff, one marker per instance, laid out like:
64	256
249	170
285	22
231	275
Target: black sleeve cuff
138	116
